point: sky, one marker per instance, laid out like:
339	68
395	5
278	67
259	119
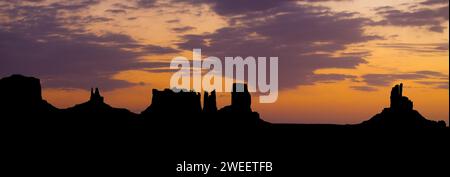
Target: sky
338	59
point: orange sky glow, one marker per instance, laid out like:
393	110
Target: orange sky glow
412	52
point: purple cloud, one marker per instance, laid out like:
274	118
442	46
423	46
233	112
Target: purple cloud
435	84
429	17
434	2
145	3
229	8
303	37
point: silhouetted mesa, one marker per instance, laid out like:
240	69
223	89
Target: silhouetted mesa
170	102
20	95
401	114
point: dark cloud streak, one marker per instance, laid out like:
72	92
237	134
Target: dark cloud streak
388	79
183	29
416	47
364	88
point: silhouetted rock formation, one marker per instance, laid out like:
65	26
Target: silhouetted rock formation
209	102
22	106
240	99
21	98
401	114
398	101
95	96
20	95
240	111
169	102
96	112
184	108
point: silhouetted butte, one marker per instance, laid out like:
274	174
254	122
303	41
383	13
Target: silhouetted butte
400	114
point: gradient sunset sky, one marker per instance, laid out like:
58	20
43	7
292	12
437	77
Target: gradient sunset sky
338	59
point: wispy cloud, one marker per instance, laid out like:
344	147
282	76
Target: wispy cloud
416	47
388	79
424	15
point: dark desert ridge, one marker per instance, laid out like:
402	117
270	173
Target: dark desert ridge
95	138
21	103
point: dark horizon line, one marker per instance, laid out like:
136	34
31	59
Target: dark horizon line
169	103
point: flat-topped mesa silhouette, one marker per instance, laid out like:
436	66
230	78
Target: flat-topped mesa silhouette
20	95
400	114
169	102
